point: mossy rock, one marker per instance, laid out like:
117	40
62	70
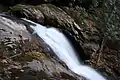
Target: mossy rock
30	56
17	7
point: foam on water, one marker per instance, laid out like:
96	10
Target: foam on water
63	49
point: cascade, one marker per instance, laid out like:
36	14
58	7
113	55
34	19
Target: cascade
64	50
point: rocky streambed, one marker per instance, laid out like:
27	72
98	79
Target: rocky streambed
26	57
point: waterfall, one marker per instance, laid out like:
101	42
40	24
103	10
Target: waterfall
65	52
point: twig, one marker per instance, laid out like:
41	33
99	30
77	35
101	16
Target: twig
14	56
100	51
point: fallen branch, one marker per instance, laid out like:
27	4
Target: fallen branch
14	56
100	52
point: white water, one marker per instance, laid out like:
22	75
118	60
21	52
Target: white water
62	48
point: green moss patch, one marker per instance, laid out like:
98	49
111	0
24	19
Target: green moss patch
28	57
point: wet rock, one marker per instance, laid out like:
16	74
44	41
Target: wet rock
29	12
10	30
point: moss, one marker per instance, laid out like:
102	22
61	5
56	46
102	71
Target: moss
17	7
20	7
50	6
28	57
36	55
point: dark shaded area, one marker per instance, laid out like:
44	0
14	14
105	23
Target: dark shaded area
84	3
13	2
80	52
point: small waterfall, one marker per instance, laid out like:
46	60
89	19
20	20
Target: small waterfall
63	49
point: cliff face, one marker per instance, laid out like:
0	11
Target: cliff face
91	25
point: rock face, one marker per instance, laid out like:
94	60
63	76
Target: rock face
11	30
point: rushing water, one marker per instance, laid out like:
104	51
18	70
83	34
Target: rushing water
63	49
